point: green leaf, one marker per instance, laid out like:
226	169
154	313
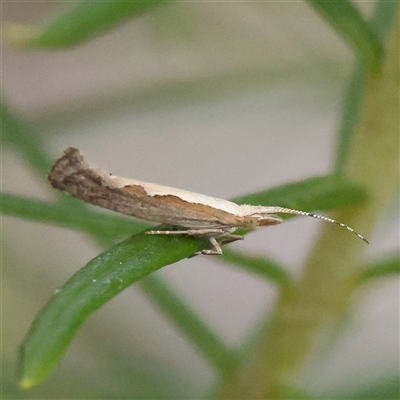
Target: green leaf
83	21
381	20
68	214
196	330
384	16
380	269
101	279
262	266
383	388
350	113
293	393
28	144
25	140
317	193
351	25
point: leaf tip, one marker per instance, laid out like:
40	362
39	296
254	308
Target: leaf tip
27	383
20	35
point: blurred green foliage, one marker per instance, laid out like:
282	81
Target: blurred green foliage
254	372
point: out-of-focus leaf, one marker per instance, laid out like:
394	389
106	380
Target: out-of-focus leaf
384	16
381	21
317	193
262	266
383	389
24	140
351	109
351	25
381	269
69	215
223	359
85	20
292	393
101	279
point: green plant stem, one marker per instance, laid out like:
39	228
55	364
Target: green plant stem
323	293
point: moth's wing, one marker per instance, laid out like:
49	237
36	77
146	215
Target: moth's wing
171	209
74	174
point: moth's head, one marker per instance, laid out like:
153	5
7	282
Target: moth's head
268	219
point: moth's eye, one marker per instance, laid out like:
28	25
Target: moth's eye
251	223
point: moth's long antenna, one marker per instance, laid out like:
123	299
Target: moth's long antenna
307	214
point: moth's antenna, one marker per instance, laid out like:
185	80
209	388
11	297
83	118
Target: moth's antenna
307	214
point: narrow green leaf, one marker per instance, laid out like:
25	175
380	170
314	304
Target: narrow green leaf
101	279
83	21
193	327
196	330
317	193
262	266
381	21
350	24
384	16
68	214
350	112
381	269
28	144
24	140
384	386
293	393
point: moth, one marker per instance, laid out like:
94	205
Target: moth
196	214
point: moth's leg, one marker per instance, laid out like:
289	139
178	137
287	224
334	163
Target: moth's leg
230	238
190	232
166	233
215	251
206	232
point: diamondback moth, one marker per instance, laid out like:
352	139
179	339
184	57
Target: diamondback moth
198	214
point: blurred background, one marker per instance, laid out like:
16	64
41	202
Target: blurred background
213	97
